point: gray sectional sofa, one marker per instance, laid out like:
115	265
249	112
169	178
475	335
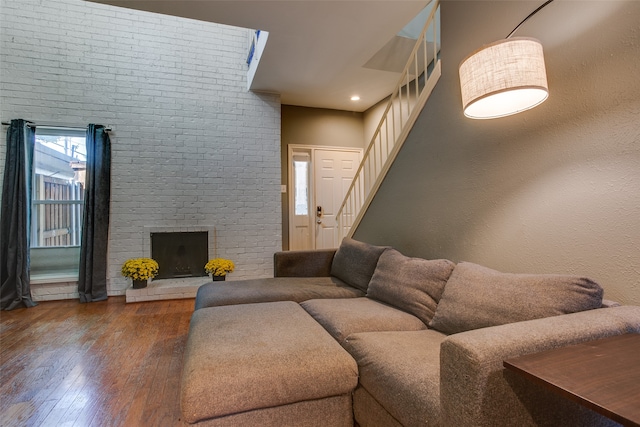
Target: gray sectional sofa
403	342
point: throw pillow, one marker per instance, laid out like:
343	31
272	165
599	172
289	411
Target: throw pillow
413	285
477	297
355	262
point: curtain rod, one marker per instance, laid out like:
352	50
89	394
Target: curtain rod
32	124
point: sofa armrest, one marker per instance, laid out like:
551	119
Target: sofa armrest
475	389
313	263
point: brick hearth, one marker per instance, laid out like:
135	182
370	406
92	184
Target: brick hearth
167	289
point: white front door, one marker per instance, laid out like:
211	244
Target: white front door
312	213
334	172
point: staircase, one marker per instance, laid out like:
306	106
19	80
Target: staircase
416	83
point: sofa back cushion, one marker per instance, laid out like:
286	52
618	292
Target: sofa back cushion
477	297
413	285
355	262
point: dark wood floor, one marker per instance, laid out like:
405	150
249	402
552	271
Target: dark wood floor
99	364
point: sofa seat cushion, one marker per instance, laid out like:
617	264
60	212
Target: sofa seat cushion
355	262
414	285
295	289
343	317
478	297
401	371
255	356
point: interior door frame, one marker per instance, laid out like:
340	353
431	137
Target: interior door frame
292	149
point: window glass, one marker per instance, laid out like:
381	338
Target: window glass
59	165
301	183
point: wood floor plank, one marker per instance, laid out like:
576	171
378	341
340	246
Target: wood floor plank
153	414
172	384
106	363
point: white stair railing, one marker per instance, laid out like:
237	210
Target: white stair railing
416	83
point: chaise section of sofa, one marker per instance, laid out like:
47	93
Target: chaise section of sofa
273	289
300	276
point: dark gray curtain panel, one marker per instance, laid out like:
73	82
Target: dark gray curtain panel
15	218
92	280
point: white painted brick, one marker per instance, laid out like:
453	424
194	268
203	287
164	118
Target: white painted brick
189	145
54	291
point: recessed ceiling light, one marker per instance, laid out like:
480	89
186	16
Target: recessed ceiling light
355	98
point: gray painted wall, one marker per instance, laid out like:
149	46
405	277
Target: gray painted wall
552	190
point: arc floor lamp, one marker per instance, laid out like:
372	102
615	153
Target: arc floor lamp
505	77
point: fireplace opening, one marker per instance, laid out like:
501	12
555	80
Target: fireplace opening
180	254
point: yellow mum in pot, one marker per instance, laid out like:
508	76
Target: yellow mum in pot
219	266
140	268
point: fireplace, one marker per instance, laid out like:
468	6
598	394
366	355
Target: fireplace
180	254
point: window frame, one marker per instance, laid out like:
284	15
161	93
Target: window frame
66	255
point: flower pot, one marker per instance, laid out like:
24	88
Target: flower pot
139	284
218	278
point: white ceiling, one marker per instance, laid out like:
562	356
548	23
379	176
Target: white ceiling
317	49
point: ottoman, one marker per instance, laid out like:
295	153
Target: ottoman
267	364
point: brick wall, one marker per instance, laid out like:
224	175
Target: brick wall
190	146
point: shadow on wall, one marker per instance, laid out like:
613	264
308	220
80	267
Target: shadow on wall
554	189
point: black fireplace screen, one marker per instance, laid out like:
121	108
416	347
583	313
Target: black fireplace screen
182	254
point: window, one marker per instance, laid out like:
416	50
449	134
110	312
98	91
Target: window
59	164
301	185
